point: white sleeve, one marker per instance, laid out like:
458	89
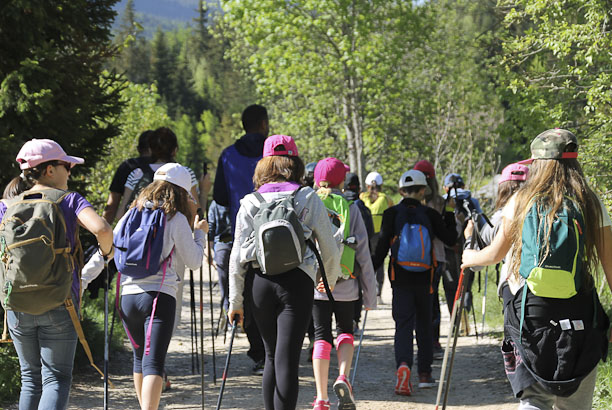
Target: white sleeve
189	246
92	269
133	178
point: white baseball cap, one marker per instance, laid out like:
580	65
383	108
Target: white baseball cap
374	178
175	174
412	178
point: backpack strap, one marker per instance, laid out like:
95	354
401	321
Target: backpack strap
314	249
523	300
77	326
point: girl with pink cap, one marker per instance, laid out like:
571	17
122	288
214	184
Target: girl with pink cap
356	264
46	342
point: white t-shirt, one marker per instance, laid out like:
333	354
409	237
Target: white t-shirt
508	215
136	175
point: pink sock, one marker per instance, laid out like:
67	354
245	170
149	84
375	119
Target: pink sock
344	338
322	350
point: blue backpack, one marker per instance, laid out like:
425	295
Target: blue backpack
139	242
138	251
411	247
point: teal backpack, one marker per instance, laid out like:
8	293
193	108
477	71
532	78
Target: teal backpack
556	271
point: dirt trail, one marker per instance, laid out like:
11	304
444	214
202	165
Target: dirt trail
478	378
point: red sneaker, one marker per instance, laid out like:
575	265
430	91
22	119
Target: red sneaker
403	387
320	404
344	392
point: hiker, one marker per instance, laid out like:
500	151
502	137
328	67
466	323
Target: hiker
117	185
434	200
351	191
282	303
309	174
558	231
146	296
164	147
39	321
454	186
357	271
220	238
377	202
234	180
407	229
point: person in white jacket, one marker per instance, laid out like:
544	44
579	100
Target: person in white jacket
282	303
170	192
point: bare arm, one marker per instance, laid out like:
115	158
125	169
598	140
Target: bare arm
604	250
90	220
112	204
493	253
127	193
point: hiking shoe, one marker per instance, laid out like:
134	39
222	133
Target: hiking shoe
344	392
258	369
426	381
320	405
403	387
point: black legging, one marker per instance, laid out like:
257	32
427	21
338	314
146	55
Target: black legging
282	306
322	318
136	310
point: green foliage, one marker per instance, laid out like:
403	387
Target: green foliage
557	73
50	78
10	381
141	110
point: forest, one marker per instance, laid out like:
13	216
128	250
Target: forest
379	84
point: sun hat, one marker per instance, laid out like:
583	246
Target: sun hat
514	172
425	167
452	179
331	170
175	174
276	140
37	151
553	144
374	177
412	177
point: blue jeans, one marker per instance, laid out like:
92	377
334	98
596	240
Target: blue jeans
45	345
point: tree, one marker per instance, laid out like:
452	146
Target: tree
326	66
133	55
558	73
52	83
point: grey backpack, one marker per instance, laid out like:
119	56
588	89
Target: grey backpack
278	234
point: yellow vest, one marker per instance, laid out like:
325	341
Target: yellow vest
377	207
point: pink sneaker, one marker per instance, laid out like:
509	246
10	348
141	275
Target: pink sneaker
403	387
344	392
320	404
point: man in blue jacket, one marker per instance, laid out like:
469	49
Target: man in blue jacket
233	180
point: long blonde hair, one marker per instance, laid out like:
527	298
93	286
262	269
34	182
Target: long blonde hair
549	182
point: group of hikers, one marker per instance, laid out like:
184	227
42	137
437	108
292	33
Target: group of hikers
296	245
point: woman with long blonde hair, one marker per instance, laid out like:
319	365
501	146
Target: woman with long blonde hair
555	328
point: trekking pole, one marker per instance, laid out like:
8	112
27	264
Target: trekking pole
484	299
106	336
195	362
212	319
227	363
474	317
202	334
365	318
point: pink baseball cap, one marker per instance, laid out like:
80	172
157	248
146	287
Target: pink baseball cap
37	151
331	170
514	172
276	140
425	167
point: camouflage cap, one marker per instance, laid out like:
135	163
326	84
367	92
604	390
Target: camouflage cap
553	144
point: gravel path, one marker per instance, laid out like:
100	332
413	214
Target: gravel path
478	378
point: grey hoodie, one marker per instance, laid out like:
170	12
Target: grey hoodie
312	214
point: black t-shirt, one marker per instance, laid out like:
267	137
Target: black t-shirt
125	168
